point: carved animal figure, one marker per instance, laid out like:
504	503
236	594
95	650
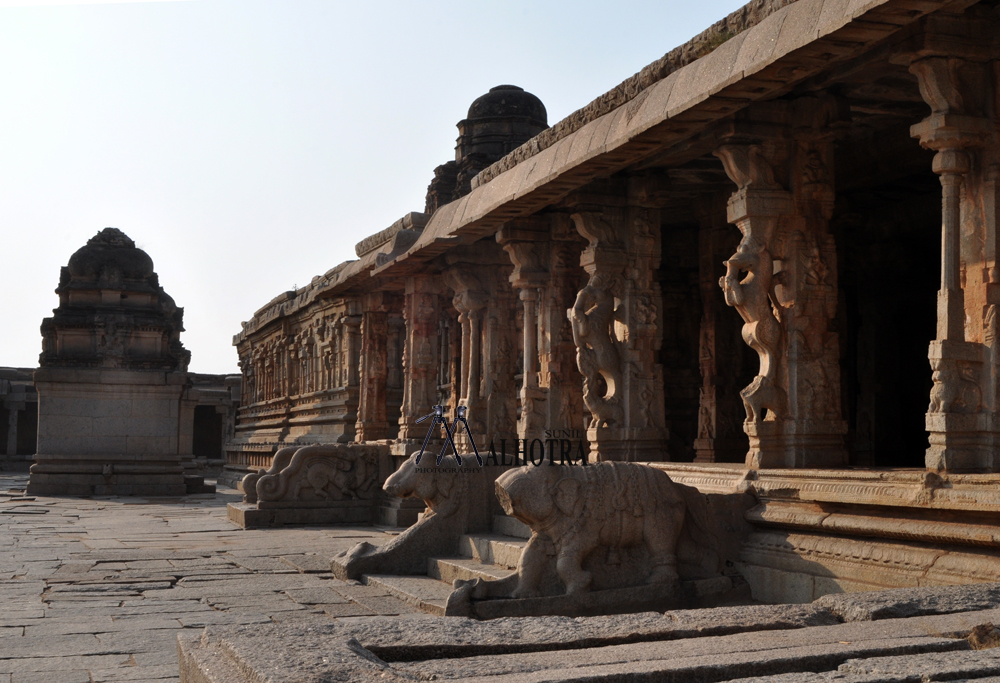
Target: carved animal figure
336	478
955	389
577	509
752	297
597	354
333	471
760	396
448	496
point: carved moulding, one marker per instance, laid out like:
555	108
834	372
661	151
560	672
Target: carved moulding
319	484
784	567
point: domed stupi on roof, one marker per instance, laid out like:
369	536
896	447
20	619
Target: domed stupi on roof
112	381
497	123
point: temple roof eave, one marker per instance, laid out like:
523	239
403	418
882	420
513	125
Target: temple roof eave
763	62
340	279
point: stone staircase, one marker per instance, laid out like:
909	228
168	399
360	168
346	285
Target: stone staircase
488	556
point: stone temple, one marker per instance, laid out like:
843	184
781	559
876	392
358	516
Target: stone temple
114	412
765	263
726	340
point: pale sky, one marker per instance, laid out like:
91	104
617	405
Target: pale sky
247	145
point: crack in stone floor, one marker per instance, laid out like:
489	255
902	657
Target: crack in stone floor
97	589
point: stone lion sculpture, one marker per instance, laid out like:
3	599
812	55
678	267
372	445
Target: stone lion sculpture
574	510
455	506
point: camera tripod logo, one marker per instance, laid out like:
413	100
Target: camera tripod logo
440	419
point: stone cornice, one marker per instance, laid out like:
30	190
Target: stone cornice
372	250
790	45
411	221
710	39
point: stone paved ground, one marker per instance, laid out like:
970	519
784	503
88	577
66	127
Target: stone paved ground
97	589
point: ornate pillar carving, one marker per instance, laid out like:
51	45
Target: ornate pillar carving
469	300
477	275
720	358
614	323
372	421
352	330
558	373
528	251
783	282
955	59
421	309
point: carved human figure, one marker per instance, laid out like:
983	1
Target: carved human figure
577	509
753	296
592	318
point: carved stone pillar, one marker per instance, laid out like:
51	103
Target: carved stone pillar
421	309
528	251
394	376
720	435
783	282
352	330
558	372
12	412
372	422
469	300
614	322
955	59
477	275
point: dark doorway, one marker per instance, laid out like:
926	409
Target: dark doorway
27	429
889	241
207	433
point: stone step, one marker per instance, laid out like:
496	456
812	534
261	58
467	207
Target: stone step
504	551
423	592
195	483
508	526
448	569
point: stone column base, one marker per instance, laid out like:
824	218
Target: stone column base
404	448
106	475
371	431
960	442
628	444
394	511
720	450
796	444
109	432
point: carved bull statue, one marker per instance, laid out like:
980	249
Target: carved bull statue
574	510
458	502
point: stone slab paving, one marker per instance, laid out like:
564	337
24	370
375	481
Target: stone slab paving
98	589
